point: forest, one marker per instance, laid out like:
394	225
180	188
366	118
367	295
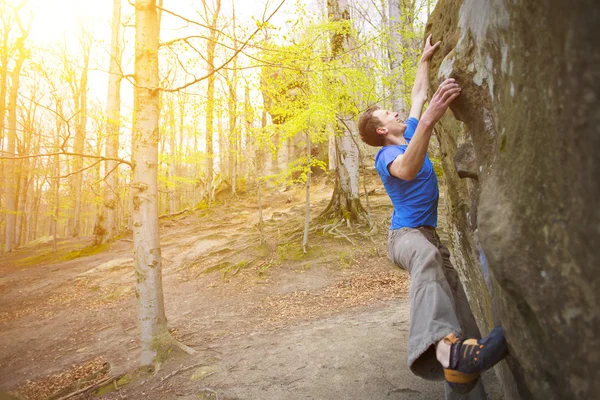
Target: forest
184	194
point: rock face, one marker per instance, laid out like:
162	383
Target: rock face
525	221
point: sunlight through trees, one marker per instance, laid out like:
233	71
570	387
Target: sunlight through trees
120	115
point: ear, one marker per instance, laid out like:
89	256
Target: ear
381	130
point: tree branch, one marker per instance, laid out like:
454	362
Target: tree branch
67	153
79	171
244	44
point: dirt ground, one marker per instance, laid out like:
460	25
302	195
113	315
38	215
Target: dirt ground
267	321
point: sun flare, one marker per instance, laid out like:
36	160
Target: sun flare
60	20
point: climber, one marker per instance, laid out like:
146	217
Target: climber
443	333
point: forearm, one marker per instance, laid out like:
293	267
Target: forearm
419	91
410	163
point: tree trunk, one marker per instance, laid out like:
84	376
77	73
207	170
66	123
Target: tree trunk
11	167
107	220
261	223
172	159
395	49
80	103
147	257
233	135
250	148
56	181
210	98
27	168
35	214
179	170
331	153
154	336
22	199
4	57
307	211
345	203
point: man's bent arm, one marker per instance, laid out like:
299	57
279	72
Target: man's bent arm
408	165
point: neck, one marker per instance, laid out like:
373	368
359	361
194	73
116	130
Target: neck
394	140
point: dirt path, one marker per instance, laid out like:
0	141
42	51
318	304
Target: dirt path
267	321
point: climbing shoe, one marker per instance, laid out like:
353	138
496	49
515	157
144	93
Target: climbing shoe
471	357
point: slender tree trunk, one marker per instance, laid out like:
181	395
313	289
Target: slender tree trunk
172	160
147	257
3	87
4	58
233	131
27	168
307	211
210	99
260	214
80	136
180	169
11	167
22	200
197	167
56	180
154	335
35	213
250	148
261	161
107	227
396	56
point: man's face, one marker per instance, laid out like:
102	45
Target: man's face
391	123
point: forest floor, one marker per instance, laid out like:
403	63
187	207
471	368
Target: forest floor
267	321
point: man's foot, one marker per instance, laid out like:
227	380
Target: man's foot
470	357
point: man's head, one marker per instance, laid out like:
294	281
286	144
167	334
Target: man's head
375	125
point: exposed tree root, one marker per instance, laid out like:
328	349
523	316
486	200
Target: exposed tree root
344	236
174	214
172	374
103	382
162	346
183	347
343	208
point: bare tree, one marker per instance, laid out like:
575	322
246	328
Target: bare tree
106	225
395	51
78	82
11	148
155	337
210	92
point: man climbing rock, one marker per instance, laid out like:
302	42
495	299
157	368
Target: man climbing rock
443	334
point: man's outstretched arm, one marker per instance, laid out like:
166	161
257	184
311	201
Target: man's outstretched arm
419	91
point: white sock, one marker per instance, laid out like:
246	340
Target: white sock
442	353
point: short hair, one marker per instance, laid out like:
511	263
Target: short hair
367	127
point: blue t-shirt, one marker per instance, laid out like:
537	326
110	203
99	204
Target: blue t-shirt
415	202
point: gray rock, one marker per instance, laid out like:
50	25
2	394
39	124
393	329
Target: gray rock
465	162
530	73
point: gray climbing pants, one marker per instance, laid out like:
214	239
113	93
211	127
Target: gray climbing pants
438	304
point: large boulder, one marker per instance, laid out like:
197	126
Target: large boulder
524	135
